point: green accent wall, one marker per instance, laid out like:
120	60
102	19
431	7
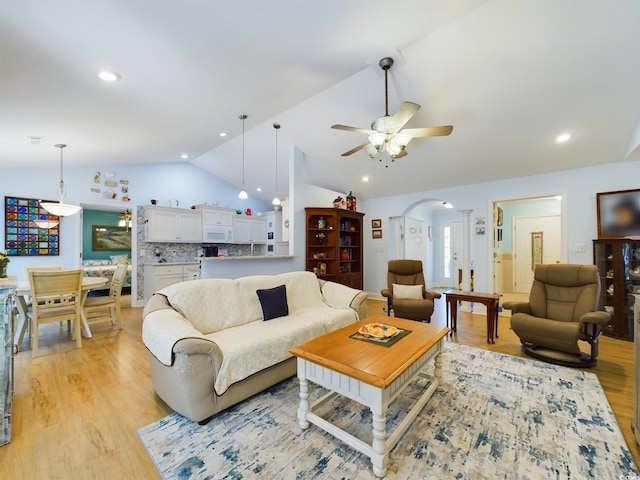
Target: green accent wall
98	217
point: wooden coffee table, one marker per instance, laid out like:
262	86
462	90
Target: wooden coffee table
373	375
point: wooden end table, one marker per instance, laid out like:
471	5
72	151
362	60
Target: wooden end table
490	300
373	375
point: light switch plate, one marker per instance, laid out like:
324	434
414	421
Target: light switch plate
379	248
579	248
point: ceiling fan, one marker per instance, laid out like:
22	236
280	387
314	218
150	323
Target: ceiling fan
386	132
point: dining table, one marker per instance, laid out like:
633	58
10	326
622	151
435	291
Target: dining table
24	290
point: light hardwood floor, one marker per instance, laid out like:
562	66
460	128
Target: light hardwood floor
76	411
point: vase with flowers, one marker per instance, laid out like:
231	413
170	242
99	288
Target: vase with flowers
4	262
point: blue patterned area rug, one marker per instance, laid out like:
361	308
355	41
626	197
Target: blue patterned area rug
498	417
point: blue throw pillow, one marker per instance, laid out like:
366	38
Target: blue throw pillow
273	302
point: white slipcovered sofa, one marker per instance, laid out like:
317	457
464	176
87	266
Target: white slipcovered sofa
209	347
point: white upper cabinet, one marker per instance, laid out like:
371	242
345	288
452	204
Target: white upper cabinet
249	230
177	225
217	216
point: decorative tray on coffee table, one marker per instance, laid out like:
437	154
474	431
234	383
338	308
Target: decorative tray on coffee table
378	330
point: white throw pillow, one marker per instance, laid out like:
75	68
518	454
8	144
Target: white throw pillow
407	292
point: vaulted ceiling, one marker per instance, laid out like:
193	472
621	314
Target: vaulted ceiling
510	76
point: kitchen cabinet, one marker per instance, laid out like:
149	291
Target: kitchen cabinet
157	277
618	262
334	245
177	225
217	216
249	230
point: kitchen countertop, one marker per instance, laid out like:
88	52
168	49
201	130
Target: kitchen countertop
250	257
158	264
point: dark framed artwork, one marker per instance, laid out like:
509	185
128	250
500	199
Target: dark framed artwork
108	237
618	214
22	237
376	223
536	249
376	233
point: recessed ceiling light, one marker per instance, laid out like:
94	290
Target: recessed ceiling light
223	134
108	76
365	178
447	205
258	189
563	137
184	155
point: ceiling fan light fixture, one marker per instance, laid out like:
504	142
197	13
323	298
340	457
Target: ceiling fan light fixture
402	139
377	140
371	151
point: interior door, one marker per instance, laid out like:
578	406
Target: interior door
523	227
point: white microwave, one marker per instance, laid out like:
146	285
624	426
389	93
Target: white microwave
217	234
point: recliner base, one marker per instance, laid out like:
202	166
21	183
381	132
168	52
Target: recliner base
576	360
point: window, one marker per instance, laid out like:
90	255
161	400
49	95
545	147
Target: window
446	243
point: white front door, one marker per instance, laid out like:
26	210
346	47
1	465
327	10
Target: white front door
523	227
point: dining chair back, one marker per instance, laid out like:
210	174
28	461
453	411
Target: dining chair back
56	296
101	309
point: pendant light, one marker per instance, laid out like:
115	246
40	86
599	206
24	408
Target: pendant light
243	193
60	209
276	199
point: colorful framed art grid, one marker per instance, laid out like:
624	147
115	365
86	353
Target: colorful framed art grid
22	235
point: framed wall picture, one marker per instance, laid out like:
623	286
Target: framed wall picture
376	233
376	223
618	214
23	237
108	237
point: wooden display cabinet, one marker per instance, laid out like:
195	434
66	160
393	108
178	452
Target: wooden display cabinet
334	245
618	262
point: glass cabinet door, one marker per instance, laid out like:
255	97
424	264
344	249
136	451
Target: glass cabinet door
618	264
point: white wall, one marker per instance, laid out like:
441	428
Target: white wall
578	187
182	181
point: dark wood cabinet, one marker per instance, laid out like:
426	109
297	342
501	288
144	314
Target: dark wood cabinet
334	245
618	264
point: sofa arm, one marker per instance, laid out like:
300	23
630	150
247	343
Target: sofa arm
198	346
163	328
340	296
598	318
386	293
517	307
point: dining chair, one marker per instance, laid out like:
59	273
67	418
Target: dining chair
56	296
101	309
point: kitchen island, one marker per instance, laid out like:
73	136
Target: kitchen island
243	266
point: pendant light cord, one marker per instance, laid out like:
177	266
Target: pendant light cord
277	127
243	118
61	192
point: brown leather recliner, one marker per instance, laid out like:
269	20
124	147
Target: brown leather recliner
560	312
408	272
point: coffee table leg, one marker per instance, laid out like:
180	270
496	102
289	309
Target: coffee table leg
379	445
437	372
303	408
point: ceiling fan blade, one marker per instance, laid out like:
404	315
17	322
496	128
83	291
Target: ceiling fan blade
403	153
429	131
354	150
405	113
352	129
